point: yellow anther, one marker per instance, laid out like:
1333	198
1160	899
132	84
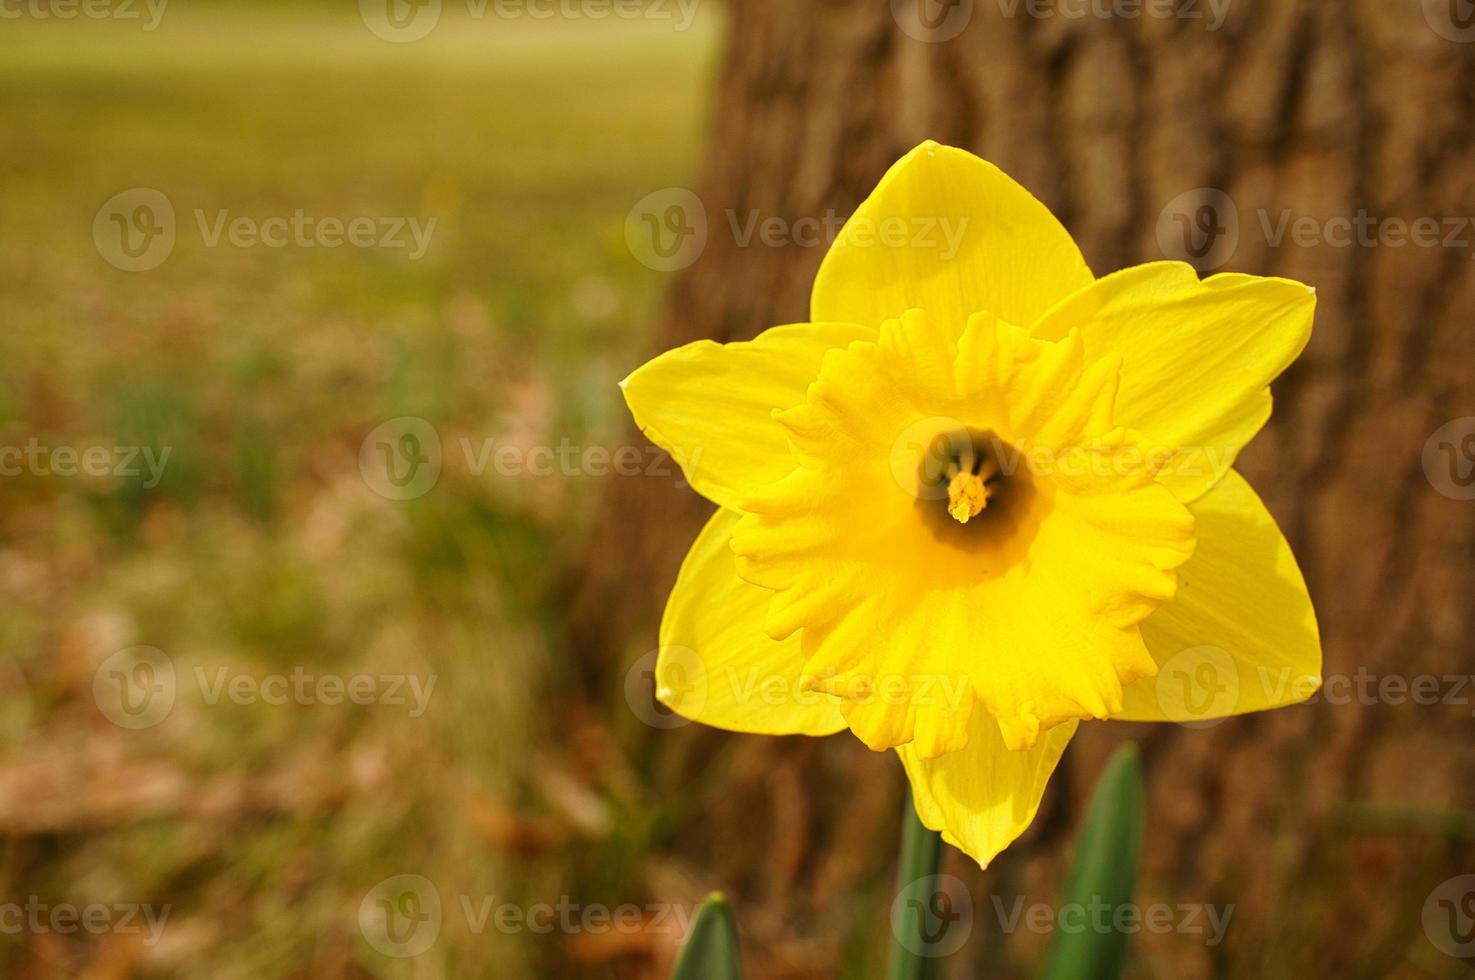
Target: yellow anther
967	495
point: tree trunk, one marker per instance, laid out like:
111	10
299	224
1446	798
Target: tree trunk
1325	826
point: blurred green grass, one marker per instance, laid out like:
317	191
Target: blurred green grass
262	548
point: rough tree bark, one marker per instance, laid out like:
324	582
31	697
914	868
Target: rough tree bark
1327	825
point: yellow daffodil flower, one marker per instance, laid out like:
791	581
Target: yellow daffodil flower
981	497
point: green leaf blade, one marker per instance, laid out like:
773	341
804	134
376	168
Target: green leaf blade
711	950
1104	873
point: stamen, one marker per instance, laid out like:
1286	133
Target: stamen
967	496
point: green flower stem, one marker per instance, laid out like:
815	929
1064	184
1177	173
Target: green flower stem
921	856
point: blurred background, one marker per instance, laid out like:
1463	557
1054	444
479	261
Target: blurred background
330	563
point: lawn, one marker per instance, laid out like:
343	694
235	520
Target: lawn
261	554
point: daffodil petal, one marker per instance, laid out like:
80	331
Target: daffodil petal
984	796
952	234
711	405
1240	634
717	666
1197	357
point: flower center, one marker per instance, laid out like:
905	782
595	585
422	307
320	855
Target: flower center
971	488
968	490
